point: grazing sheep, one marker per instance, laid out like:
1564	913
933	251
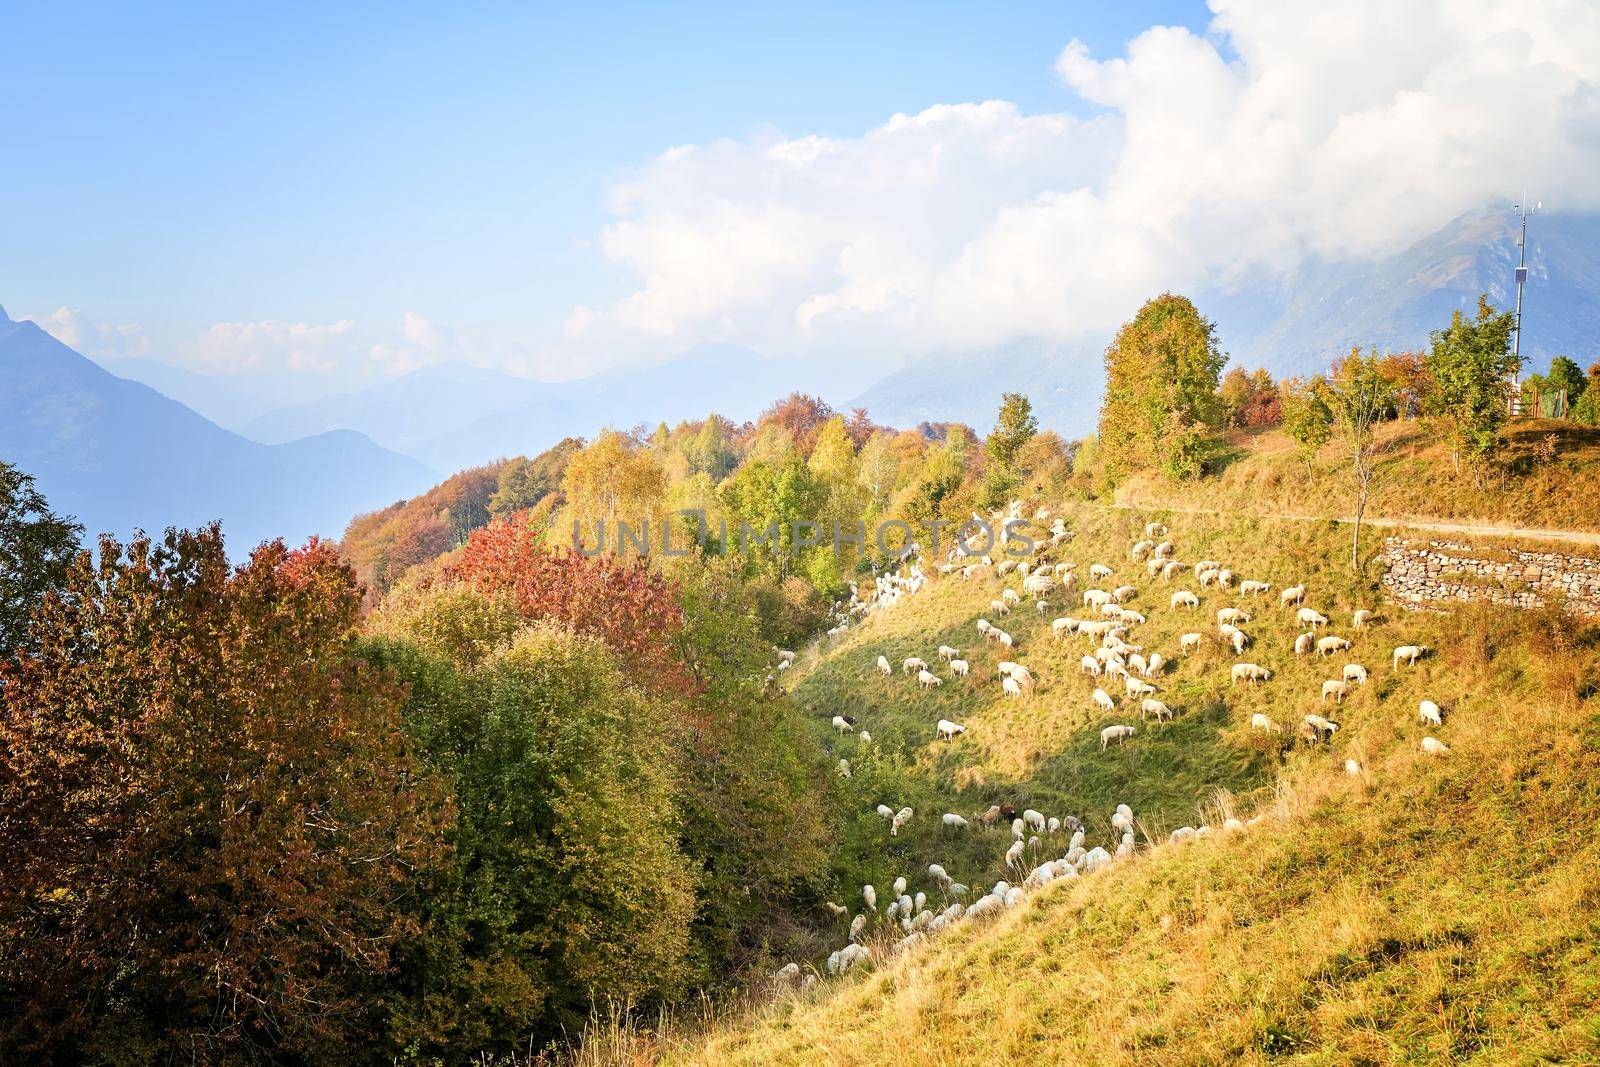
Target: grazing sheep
1170	568
1163	550
1063	625
1238	639
886	811
1010	598
1352	768
1090	666
1232	615
959	668
899	886
1122	819
1123	593
952	821
1429	712
984	626
843	723
1098	571
999	607
1435	747
1004	639
1409	654
1328	645
947	653
858	924
984	906
1292	595
1325	728
1103	699
1260	721
1311	617
1249	672
949	731
1096	598
839	910
1010	687
1114	733
1304	643
1335	688
928	680
883	665
844	768
901	817
989	817
1189	642
1183	598
938	874
1250	587
870	895
785	656
1152	706
1052	825
1014	854
1040	607
866	738
1360	619
912	663
1355	672
1141	549
1154	529
1033	818
1137	688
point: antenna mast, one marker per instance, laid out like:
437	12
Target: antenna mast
1522	210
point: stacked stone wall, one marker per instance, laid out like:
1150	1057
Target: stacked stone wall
1419	573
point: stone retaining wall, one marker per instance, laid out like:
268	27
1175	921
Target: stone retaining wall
1420	572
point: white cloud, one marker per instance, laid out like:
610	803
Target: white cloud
1342	129
93	338
423	343
235	347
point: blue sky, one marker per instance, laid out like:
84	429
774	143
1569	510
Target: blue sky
315	197
318	163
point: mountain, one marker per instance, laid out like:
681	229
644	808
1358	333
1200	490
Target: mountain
1301	322
214	398
119	455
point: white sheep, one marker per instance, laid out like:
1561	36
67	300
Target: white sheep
1355	672
858	924
1323	727
1311	617
1010	687
1170	568
1183	598
1010	598
1064	625
1238	639
952	821
1141	549
1232	615
1034	819
949	731
1103	699
886	811
870	896
1137	688
785	656
1261	721
901	817
984	626
1249	672
1189	642
1429	712
1250	587
1336	688
1409	654
866	738
1124	593
1004	639
1360	619
1155	665
1304	643
947	653
1114	733
939	874
1090	666
1014	854
1328	645
1098	571
1352	768
883	665
1435	747
1152	706
1000	607
844	768
1292	595
928	680
842	724
959	668
1095	598
912	663
899	886
1154	529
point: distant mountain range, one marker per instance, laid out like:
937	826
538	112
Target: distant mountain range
118	455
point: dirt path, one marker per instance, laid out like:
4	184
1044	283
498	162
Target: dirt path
1571	537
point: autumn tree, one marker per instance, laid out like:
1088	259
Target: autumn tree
1014	427
800	415
1307	419
36	548
612	480
1161	383
1359	397
1469	367
211	822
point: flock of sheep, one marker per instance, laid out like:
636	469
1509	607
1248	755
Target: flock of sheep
1111	626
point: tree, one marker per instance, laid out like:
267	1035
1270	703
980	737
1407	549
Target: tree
1161	384
613	480
1359	396
211	820
1587	409
36	548
1307	419
1468	368
1566	374
1013	429
800	415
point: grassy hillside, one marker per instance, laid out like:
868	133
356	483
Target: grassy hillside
1550	471
1428	909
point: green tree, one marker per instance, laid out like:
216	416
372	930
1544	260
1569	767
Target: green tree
1587	408
1469	365
1015	426
521	485
1359	395
36	548
1566	374
1307	419
1161	385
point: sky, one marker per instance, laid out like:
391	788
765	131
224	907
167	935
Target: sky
335	194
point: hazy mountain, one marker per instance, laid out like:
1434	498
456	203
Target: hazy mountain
217	399
119	455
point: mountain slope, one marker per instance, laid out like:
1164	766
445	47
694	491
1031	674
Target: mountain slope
1426	909
224	403
119	455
